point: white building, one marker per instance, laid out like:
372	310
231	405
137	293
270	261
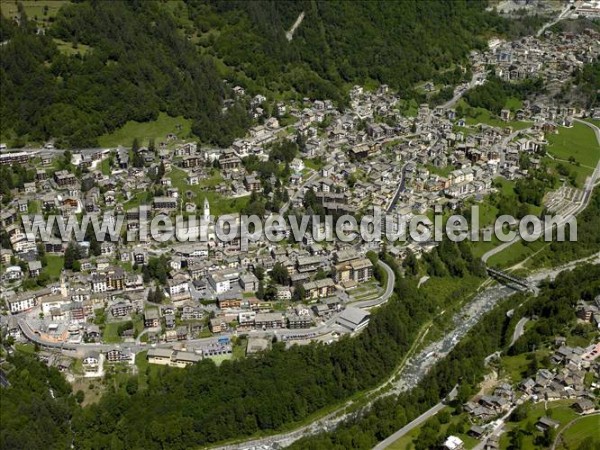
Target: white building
21	303
219	282
178	285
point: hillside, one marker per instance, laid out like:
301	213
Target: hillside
94	66
137	65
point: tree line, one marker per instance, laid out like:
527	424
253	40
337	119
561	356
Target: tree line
202	404
463	366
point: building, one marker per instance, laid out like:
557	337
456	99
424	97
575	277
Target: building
545	423
117	355
35	268
353	319
178	285
453	443
64	178
21	303
168	203
151	319
14	158
319	288
218	325
269	320
584	406
222	280
249	282
99	283
296	321
91	361
183	359
358	270
161	356
121	309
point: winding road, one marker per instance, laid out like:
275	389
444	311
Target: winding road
319	330
572	210
519	330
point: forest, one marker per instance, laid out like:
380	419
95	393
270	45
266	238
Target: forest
494	94
464	365
138	64
341	42
131	60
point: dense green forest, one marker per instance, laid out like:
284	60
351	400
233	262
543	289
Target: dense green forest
465	364
139	64
130	60
398	43
494	94
37	408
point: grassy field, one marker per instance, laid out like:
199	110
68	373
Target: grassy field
578	142
25	348
484	116
313	164
218	204
411	107
560	411
33	206
481	247
68	49
239	349
218	359
515	253
580	430
515	366
443	172
513	104
105	167
55	265
142	365
407	441
581	172
157	129
40	10
141	198
110	334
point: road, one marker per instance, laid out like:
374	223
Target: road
573	210
389	290
399	189
56	151
409	427
322	329
298	193
475	79
519	330
415	423
497	428
567	426
290	34
564	14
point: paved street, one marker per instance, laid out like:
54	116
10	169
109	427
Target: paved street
519	330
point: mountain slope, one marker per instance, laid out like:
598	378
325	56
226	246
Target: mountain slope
101	64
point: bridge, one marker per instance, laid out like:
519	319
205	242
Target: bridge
520	283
